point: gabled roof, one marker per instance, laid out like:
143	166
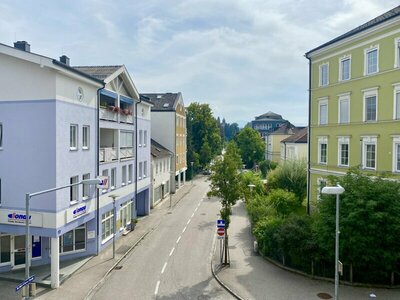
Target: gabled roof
285	128
158	150
299	137
99	72
163	101
269	115
374	22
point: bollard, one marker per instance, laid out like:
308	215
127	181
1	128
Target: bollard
255	246
32	289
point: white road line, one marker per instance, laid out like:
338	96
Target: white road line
163	268
157	286
184	229
179	238
192	215
196	208
188	221
172	251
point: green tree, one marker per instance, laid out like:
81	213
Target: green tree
266	166
251	146
248	178
283	202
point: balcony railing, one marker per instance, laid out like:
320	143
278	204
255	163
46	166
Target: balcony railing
108	154
126	152
126	118
108	114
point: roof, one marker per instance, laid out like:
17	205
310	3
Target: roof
163	101
99	72
374	22
158	150
285	128
269	115
299	137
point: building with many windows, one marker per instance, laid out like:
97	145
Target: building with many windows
295	146
168	127
267	123
355	102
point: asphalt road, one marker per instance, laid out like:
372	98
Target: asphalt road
173	262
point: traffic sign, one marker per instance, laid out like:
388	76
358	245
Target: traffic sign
221	223
103	183
24	283
221	231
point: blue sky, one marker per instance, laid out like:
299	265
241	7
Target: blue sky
243	57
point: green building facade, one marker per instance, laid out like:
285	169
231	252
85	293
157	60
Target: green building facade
355	103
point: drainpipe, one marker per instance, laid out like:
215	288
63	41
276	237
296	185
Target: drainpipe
136	147
309	136
98	167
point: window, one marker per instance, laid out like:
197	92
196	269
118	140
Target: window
324	74
396	106
73	137
107	225
126	139
145	138
371	64
369	152
130	173
345	68
123	175
321	183
5	249
140	138
370	105
113	180
343	151
104	173
73	194
85	137
322	150
125	214
73	240
1	135
86	187
144	169
344	109
323	112
396	154
140	170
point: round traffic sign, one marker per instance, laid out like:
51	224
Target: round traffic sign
221	231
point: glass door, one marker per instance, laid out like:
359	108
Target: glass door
19	251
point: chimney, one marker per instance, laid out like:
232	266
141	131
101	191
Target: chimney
22	45
64	59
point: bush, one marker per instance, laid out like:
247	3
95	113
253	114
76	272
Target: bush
266	166
258	208
266	234
283	202
247	178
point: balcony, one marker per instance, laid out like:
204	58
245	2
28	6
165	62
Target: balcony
108	113
126	152
108	154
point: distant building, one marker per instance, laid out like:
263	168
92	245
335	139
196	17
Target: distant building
295	146
168	127
267	123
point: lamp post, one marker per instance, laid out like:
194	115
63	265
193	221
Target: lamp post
114	221
335	190
27	219
191	163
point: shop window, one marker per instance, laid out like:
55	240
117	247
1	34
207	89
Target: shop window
73	240
5	249
107	225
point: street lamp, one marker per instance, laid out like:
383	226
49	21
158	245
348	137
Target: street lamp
335	190
192	162
114	221
54	281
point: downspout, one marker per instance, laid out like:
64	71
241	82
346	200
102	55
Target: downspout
98	167
136	152
309	137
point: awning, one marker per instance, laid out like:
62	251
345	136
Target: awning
126	100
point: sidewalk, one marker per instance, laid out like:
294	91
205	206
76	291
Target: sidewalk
250	276
79	278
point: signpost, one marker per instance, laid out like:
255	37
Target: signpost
24	283
221	233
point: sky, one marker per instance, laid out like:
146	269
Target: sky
242	57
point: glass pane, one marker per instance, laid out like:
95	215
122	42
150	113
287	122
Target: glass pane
323	113
80	241
5	249
398	157
344	111
370	107
372	61
68	241
345	69
398	105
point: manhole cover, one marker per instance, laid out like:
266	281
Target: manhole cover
324	296
118	268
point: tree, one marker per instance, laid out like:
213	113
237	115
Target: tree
266	166
251	146
283	202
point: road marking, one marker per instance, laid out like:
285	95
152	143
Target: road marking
196	208
157	286
163	268
172	251
192	215
184	229
188	221
179	238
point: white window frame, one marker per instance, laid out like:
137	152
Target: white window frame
74	190
125	210
366	94
73	140
368	140
321	67
343	140
341	60
323	101
344	98
144	138
140	170
85	137
140	138
145	169
396	153
104	173
85	187
1	135
322	140
130	173
366	52
61	242
107	217
396	90
396	53
124	176
113	179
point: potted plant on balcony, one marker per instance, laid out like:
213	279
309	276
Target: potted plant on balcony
116	109
125	111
